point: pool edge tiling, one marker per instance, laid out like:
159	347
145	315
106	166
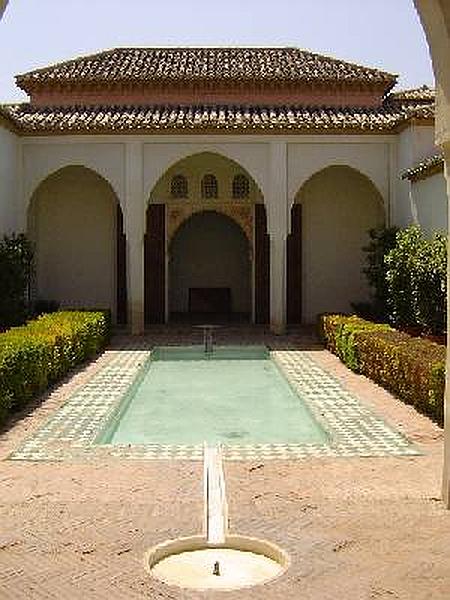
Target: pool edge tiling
234	395
72	430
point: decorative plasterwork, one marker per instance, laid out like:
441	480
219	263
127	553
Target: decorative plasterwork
242	214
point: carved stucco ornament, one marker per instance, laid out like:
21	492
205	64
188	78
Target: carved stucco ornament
242	214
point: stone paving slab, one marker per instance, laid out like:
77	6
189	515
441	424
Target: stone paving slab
371	529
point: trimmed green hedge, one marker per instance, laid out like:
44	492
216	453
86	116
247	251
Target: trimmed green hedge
411	368
41	352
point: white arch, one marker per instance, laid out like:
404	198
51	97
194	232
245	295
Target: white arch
362	175
295	197
370	160
42	160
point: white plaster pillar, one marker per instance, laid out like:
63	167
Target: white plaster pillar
277	224
22	202
446	470
134	229
435	17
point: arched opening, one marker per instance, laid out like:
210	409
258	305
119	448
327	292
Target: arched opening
210	270
330	218
168	215
76	223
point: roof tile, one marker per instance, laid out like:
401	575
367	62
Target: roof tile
203	64
425	168
159	118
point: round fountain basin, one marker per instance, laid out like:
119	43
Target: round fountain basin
193	563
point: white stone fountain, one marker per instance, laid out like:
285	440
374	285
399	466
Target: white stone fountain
216	560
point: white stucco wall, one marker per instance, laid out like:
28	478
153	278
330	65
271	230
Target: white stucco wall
42	157
413	144
279	166
339	206
369	156
72	222
430	203
424	142
8	181
402	210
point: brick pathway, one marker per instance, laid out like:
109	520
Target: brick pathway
355	528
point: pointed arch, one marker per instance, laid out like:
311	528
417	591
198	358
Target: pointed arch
76	223
330	218
210	268
166	214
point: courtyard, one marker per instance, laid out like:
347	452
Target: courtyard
354	527
159	183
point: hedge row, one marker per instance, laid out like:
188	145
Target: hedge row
411	368
41	352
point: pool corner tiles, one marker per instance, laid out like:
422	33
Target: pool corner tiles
344	426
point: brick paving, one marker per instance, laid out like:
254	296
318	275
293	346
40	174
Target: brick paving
355	528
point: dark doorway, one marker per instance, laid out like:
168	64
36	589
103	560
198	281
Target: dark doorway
294	267
209	270
155	264
121	269
262	266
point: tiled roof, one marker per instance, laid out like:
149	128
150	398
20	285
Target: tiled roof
427	167
421	95
202	64
104	119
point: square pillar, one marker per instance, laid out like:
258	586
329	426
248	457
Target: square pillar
135	229
277	224
446	470
277	284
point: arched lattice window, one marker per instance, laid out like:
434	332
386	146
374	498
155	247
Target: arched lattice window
179	187
209	186
241	186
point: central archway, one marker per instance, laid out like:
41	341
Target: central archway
210	270
212	184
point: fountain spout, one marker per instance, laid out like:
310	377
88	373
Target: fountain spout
216	509
207	336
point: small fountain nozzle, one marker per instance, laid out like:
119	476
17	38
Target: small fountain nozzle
216	570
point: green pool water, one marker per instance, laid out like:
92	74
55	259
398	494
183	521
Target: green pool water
237	395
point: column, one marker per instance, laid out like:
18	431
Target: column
277	221
436	22
446	470
135	229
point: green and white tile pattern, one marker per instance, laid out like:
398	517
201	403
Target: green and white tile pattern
353	429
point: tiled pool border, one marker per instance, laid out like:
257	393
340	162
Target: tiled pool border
71	432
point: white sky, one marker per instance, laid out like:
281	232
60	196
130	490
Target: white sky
377	33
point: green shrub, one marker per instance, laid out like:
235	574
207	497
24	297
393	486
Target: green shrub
431	284
416	278
16	267
381	241
327	326
341	332
411	368
41	352
402	276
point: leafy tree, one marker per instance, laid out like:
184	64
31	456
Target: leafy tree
382	240
16	269
431	285
417	281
